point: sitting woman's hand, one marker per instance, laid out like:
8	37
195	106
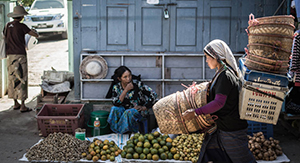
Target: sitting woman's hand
129	86
189	114
140	108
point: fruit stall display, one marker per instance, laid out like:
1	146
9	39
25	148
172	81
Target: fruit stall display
188	147
152	147
101	150
155	146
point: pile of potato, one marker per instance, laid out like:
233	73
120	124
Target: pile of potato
262	148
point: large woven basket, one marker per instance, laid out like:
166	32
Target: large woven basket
266	60
281	41
272	28
268	51
276	69
168	110
282	19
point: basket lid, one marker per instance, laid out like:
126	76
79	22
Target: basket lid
93	67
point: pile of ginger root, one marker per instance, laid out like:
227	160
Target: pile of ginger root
262	148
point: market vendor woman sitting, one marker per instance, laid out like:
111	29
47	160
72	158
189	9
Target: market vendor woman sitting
131	99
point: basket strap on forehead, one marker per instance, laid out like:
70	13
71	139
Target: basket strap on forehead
211	52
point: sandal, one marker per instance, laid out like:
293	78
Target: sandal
17	108
27	110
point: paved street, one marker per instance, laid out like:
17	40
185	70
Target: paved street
49	52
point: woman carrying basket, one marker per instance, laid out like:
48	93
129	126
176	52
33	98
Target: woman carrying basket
229	142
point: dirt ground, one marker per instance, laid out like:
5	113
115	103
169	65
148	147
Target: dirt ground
19	130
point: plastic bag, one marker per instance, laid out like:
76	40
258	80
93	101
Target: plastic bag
2	46
30	42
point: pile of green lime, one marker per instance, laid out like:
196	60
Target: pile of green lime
188	147
152	146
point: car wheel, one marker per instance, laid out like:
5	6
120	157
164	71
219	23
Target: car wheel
64	35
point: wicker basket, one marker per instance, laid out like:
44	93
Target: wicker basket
256	58
272	28
268	51
280	41
282	19
277	69
168	110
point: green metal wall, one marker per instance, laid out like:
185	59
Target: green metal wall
70	35
6	6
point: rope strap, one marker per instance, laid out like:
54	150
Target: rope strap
259	91
180	112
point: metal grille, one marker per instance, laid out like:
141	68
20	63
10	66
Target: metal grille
41	18
42	26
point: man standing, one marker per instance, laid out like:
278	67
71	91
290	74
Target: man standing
17	58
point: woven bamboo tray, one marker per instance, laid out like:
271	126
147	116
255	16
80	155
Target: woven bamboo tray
277	69
280	41
256	58
268	51
282	19
272	28
168	110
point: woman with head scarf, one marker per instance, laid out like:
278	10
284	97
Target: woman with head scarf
229	142
131	99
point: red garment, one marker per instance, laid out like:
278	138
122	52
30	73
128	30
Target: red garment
15	38
296	59
297	84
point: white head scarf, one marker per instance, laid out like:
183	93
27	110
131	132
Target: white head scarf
219	50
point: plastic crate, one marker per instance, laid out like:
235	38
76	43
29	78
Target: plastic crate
262	77
255	106
63	118
254	127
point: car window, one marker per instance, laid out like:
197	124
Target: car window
47	5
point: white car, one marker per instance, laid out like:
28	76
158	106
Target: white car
48	17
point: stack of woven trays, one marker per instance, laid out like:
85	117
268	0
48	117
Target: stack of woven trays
270	41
